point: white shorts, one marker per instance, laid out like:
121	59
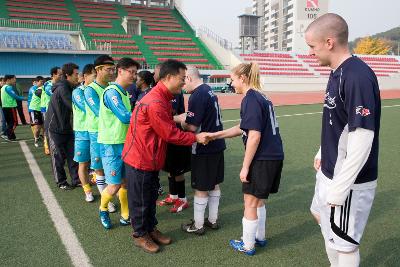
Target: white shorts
342	226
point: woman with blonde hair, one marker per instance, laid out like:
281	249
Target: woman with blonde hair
263	159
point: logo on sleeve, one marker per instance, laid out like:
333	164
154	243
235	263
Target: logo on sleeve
360	110
115	100
330	102
78	97
190	114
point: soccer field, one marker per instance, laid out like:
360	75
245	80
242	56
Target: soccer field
29	237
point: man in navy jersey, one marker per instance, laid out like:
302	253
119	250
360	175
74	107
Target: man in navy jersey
347	162
204	115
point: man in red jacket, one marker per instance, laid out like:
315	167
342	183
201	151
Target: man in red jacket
151	128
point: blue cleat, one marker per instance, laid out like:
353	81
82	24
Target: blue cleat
238	245
124	222
261	243
105	219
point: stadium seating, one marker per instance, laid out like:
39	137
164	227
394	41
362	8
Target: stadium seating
30	40
288	64
382	66
165	32
278	64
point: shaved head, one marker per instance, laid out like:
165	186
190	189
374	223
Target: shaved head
330	25
193	72
193	79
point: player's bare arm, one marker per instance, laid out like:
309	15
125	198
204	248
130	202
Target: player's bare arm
253	141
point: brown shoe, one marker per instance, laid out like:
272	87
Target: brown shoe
160	238
146	243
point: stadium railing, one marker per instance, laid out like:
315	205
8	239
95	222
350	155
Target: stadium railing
34	24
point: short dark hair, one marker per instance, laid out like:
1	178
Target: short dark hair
8	77
147	77
69	68
103	60
54	70
127	62
171	67
88	69
39	78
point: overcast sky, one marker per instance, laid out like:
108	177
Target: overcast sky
365	17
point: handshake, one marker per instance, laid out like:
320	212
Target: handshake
202	138
205	138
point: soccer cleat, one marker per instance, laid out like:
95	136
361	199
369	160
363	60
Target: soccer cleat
191	228
65	186
124	222
105	219
89	197
214	226
238	245
166	201
261	243
111	207
36	142
160	191
179	205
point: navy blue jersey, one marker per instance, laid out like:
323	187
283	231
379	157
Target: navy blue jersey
178	104
257	113
134	93
352	100
204	113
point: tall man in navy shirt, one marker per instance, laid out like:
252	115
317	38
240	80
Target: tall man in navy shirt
204	115
347	162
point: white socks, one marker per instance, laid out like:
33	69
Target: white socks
340	259
262	217
249	233
199	207
101	183
213	203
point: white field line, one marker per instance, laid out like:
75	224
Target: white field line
64	229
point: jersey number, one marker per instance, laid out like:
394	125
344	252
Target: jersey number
274	122
218	120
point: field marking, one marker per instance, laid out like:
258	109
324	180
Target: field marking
307	113
64	229
6	141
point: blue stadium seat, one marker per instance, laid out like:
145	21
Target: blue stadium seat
23	40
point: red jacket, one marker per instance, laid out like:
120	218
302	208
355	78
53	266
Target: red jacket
150	129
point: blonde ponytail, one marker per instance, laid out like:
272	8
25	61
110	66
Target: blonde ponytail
251	71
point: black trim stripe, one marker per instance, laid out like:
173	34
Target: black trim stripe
341	217
342	233
348	211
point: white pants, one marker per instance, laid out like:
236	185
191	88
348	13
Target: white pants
343	226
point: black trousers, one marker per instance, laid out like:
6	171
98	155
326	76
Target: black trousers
21	114
10	116
142	197
61	150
